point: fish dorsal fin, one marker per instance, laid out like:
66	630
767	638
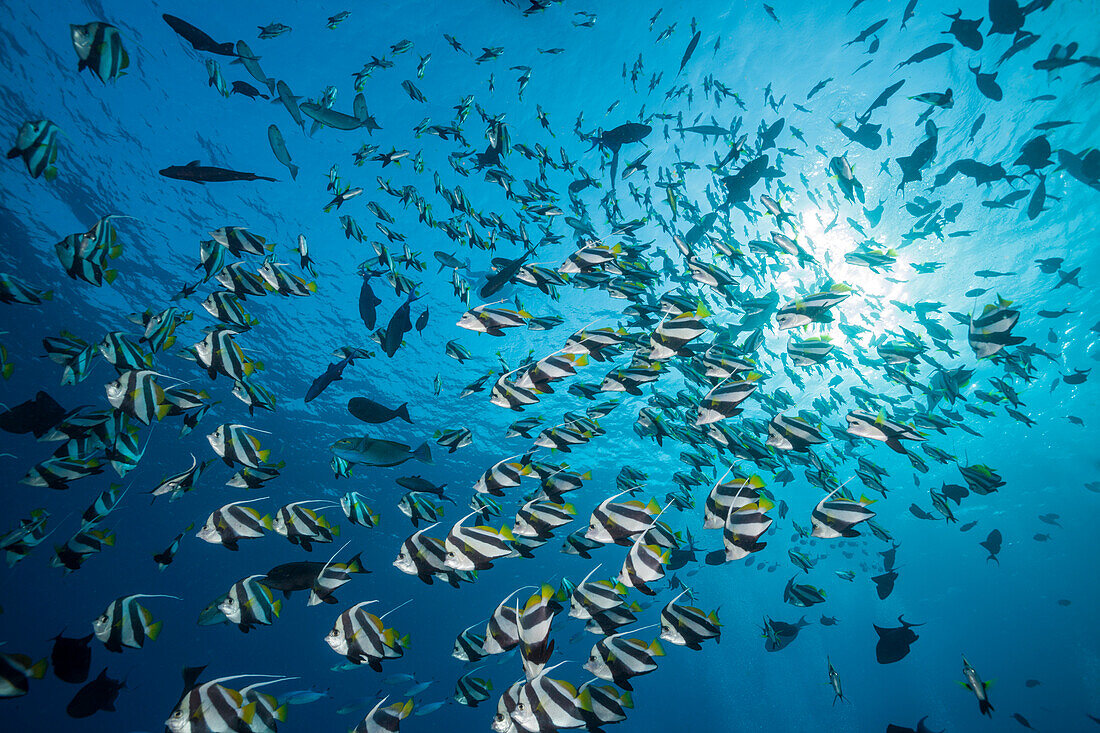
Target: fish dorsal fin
192	164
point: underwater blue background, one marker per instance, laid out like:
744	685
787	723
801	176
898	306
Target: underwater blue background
1006	618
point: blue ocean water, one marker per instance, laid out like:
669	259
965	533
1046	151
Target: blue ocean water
1029	615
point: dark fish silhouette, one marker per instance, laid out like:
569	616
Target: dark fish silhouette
888	558
992	544
99	694
968	526
987	83
928	53
689	51
884	584
368	302
208	174
197	38
504	274
373	412
778	634
33	416
893	643
1005	17
955	492
880	101
332	373
293	576
919	513
921	728
965	31
615	138
400	324
71	658
739	185
1022	721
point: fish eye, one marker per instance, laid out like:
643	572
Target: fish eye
334	634
592	658
499	718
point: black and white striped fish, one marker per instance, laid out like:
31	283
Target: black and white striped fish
540	518
303	526
470	690
991	331
878	427
792	433
242	282
332	576
122	353
284	282
506	704
218	353
502	475
617	660
534	630
602	704
492	320
802	595
620	522
36	144
249	604
562	482
240	241
676	332
234	522
502	628
211	707
236	446
552	368
589	257
79	547
742	530
164	558
16	672
179	484
562	438
474	548
644	563
361	637
384	719
425	557
835	516
506	393
137	394
99	47
469	646
812	308
736	493
547	704
806	352
126	623
631	379
688	626
104	504
722	401
593	597
453	438
356	510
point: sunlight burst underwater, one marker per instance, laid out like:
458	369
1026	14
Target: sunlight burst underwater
665	345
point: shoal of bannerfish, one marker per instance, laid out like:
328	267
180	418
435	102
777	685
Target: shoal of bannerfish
722	254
